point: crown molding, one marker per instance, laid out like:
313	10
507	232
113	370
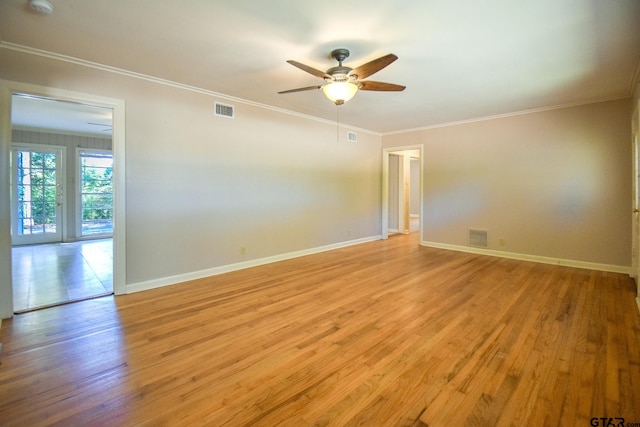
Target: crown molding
115	70
505	115
157	80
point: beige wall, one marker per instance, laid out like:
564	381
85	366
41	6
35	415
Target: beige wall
549	184
200	187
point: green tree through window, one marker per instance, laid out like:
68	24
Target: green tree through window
96	192
36	175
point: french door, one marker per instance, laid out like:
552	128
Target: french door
95	210
37	193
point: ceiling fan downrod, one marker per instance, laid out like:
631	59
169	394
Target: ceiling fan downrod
340	55
339	73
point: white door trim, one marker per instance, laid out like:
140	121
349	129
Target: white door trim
635	234
7	88
385	185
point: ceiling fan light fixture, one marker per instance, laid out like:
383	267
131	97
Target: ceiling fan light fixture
340	92
342	83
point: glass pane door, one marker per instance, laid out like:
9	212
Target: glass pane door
96	193
37	181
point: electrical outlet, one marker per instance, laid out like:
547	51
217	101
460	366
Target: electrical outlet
501	241
243	250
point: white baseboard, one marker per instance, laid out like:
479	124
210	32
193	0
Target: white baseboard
180	278
533	258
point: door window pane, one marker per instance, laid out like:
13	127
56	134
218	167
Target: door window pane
37	192
96	193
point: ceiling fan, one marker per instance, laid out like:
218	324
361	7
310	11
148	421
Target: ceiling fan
342	83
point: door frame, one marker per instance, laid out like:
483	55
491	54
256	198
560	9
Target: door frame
635	233
385	185
7	88
61	199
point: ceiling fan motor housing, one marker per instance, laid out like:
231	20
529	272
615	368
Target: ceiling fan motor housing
339	74
340	54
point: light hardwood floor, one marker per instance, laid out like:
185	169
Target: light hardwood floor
380	334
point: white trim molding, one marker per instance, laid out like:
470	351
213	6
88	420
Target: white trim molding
149	78
6	287
512	114
533	258
201	274
181	278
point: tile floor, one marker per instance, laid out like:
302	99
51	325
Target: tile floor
51	274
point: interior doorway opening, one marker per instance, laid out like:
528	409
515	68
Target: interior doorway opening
402	191
635	233
117	107
61	201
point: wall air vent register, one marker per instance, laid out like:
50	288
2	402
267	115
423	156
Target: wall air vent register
224	110
478	238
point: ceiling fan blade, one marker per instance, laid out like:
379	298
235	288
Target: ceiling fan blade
301	89
380	86
374	66
309	69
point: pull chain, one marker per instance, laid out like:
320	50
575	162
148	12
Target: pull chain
337	123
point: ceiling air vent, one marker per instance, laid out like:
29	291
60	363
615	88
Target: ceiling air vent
224	110
352	137
478	238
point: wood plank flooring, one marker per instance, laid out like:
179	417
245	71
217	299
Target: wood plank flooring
386	333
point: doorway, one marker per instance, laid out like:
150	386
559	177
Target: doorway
635	233
45	203
37	197
68	219
402	190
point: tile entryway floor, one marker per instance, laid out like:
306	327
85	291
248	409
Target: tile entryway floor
51	274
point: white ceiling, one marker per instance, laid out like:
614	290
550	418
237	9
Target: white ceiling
460	59
29	112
